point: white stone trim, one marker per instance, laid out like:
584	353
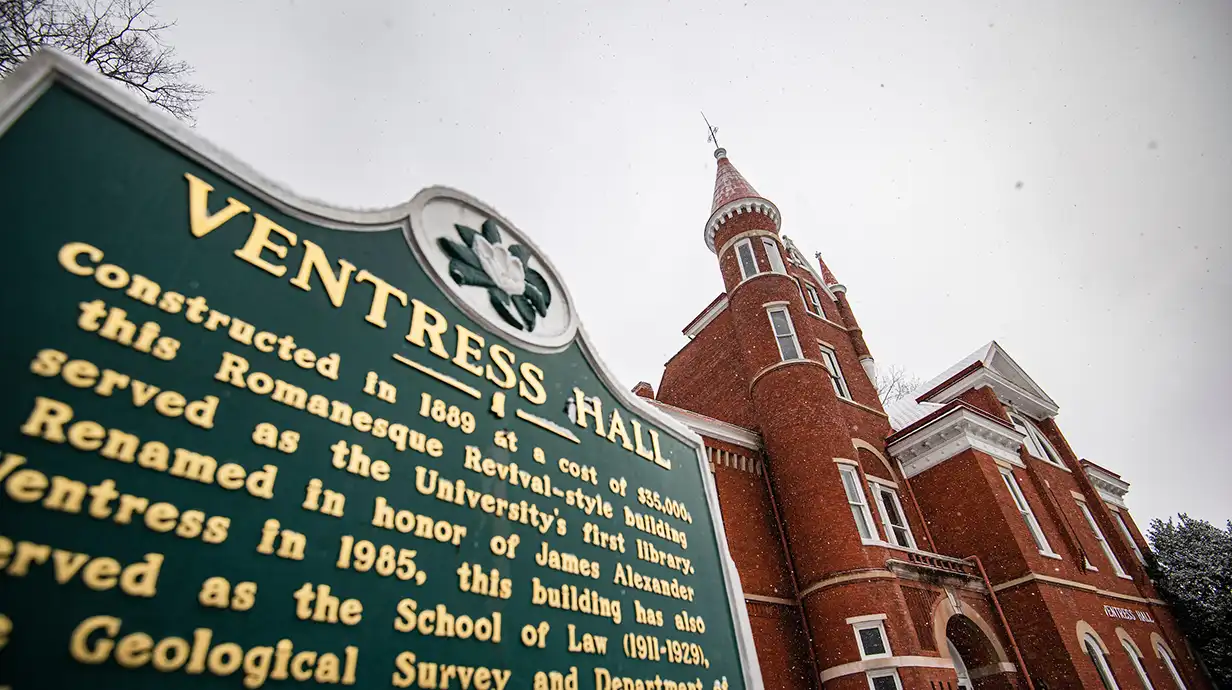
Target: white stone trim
1034	403
776	303
717	429
845	461
739	207
992	669
883	482
1111	489
952	433
864	619
759	599
1048	579
853	667
710	315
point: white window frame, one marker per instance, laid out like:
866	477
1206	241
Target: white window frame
858	504
1129	537
1091	646
791	332
879	626
960	666
830	358
1037	444
1136	660
812	299
884	673
773	256
1028	516
1103	543
744	273
880	491
1167	659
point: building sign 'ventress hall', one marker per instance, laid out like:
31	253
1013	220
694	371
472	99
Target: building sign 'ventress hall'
250	440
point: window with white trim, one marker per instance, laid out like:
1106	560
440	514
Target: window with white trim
893	520
1129	536
1101	665
746	259
871	637
784	333
1037	445
1027	515
884	679
1103	543
812	300
1136	660
773	254
859	506
1167	659
830	359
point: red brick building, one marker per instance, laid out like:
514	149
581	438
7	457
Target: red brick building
953	540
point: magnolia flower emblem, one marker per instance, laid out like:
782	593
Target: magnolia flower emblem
518	292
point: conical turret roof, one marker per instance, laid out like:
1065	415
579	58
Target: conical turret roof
733	195
729	184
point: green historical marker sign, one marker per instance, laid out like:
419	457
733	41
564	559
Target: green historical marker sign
249	440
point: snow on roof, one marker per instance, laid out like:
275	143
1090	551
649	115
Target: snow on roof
906	411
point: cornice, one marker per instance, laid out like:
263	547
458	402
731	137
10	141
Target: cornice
738	207
710	427
1033	405
952	433
1111	488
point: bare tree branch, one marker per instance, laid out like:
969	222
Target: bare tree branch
121	39
894	383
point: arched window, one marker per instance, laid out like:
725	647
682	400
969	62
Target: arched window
960	666
1136	660
1037	445
1167	657
1101	664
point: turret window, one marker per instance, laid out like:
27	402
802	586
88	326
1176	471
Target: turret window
1037	445
859	506
748	261
830	359
773	254
1103	543
812	301
784	333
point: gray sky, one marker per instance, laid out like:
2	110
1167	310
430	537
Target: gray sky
892	138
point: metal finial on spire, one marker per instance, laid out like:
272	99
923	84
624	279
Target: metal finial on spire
719	151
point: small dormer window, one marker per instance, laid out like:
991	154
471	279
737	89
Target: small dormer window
1037	445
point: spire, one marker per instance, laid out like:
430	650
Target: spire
733	195
729	184
826	275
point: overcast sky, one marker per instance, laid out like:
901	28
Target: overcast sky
1054	175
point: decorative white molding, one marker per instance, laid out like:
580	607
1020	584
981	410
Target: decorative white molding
870	368
1111	488
1048	579
951	434
717	429
865	619
837	288
710	315
887	662
739	207
997	373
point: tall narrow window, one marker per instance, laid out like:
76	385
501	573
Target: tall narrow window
1136	660
1167	659
1037	445
1129	536
836	374
784	333
1101	664
748	262
773	254
855	498
892	518
1023	507
1103	543
812	301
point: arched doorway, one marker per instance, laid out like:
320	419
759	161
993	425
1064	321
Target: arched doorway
973	654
